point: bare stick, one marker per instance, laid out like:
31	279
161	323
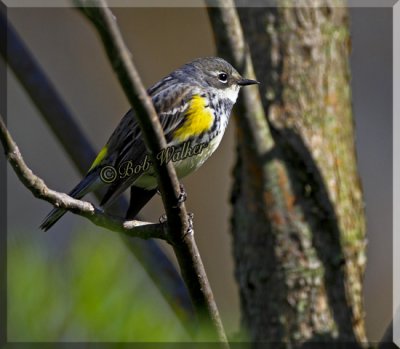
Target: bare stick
62	122
231	44
40	190
179	226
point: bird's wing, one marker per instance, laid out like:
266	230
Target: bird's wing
171	104
126	143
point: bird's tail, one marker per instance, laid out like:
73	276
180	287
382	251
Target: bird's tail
83	187
52	218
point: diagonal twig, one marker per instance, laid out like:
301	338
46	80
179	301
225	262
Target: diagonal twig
179	225
40	190
231	44
44	95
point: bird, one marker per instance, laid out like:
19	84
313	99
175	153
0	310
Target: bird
193	104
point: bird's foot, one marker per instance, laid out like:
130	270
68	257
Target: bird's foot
190	230
163	218
182	196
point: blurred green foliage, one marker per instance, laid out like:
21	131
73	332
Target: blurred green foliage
89	289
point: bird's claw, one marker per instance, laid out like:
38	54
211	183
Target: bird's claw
163	218
182	196
190	230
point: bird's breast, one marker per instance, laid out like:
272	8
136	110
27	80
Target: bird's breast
198	119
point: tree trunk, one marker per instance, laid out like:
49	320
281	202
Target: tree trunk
298	220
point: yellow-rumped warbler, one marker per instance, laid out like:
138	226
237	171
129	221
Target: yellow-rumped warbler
194	104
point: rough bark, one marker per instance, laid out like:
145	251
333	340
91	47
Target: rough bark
298	220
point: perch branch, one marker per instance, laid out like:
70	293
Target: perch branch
43	94
179	225
40	190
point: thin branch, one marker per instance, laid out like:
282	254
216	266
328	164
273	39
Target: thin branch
46	98
85	209
231	44
179	225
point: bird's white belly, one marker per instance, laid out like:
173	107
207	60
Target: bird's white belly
183	166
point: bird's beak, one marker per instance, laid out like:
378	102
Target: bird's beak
245	82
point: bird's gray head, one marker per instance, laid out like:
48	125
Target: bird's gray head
217	74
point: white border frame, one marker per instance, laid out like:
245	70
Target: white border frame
396	102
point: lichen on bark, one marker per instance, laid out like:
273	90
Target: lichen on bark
298	220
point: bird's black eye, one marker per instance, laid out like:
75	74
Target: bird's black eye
223	77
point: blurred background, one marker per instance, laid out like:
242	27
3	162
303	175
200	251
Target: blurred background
79	282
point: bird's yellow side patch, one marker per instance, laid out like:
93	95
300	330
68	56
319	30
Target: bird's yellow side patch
100	156
199	119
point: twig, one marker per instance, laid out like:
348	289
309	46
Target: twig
179	226
154	260
231	44
40	190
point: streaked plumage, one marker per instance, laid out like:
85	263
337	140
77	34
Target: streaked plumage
193	103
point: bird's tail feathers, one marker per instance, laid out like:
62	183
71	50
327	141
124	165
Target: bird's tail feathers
85	186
